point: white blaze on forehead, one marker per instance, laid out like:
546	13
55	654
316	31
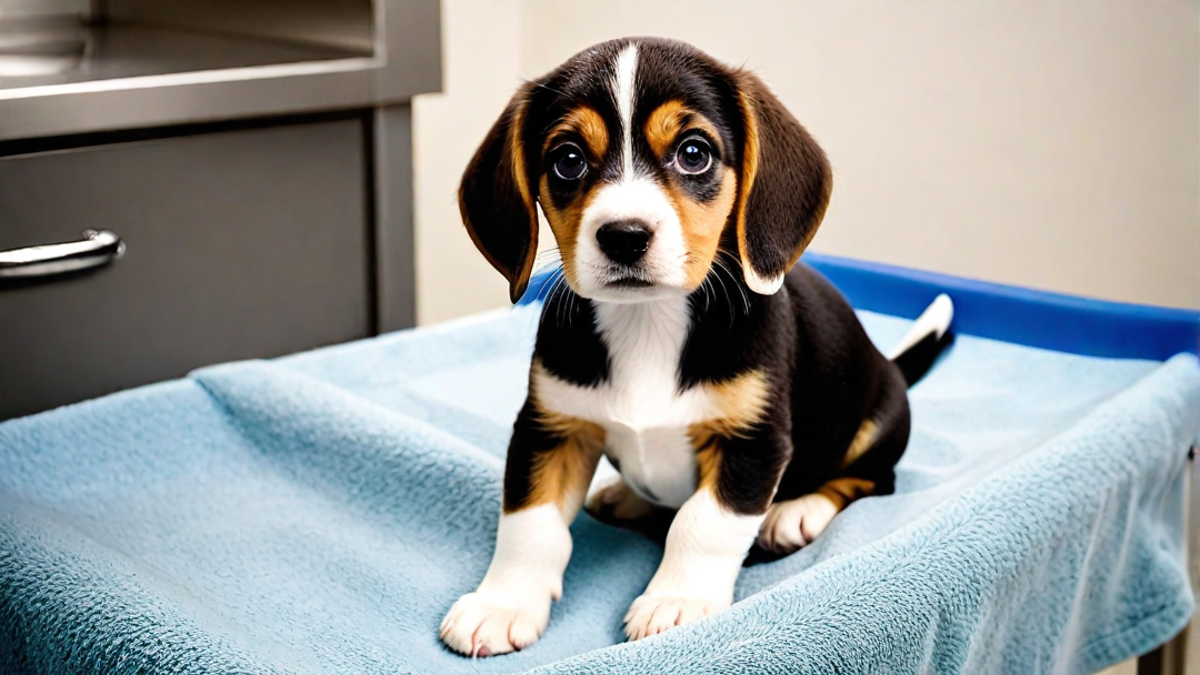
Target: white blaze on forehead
623	89
629	197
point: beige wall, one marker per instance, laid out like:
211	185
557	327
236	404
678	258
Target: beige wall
481	64
1054	145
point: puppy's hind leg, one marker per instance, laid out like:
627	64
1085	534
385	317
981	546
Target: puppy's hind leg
795	523
867	468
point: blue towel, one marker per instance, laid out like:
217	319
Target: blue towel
320	513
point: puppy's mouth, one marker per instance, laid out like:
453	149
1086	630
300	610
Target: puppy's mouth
628	281
618	276
620	283
629	288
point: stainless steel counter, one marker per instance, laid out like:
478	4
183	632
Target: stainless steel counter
157	64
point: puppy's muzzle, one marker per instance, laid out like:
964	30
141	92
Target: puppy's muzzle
624	241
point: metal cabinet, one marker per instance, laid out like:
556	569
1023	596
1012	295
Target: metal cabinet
239	244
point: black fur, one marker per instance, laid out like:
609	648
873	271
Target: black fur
567	343
826	375
918	359
791	185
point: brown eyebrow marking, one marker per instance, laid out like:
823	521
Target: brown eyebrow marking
671	119
586	122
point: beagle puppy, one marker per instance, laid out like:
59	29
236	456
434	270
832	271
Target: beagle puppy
680	339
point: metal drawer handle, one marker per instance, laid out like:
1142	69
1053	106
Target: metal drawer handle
96	249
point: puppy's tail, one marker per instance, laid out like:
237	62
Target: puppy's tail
929	335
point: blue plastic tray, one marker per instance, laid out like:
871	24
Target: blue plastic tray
1065	323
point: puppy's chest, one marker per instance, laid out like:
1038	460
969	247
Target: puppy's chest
646	420
645	414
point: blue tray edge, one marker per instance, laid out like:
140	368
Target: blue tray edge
1025	316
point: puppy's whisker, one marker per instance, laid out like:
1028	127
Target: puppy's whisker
552	298
546	258
745	300
573	297
728	298
562	299
733	276
706	287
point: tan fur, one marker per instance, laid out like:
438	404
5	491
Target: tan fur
560	476
669	120
565	225
864	439
518	279
702	224
742	402
842	491
586	122
749	170
708	463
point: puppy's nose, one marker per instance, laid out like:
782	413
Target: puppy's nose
625	241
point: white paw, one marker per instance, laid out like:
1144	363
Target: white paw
617	500
653	614
487	623
796	523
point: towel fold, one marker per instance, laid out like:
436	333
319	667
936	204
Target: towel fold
320	513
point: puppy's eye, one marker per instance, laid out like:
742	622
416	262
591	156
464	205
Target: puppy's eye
571	164
693	156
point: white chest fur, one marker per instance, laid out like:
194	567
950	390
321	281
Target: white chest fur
644	414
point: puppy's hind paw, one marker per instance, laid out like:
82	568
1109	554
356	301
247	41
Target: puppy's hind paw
616	501
796	523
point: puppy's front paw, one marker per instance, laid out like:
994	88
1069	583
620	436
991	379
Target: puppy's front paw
487	623
653	614
796	523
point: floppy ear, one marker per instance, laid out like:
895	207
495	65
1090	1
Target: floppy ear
783	189
496	204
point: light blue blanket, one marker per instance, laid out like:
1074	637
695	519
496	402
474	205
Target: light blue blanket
319	514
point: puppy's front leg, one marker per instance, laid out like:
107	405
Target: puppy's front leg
551	460
710	536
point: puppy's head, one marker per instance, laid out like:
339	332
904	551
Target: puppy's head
647	157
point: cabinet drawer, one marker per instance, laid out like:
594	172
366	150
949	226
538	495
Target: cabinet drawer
239	244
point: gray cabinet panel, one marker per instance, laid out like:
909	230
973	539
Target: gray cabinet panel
240	244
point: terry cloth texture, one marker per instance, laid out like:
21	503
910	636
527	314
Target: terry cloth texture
320	513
